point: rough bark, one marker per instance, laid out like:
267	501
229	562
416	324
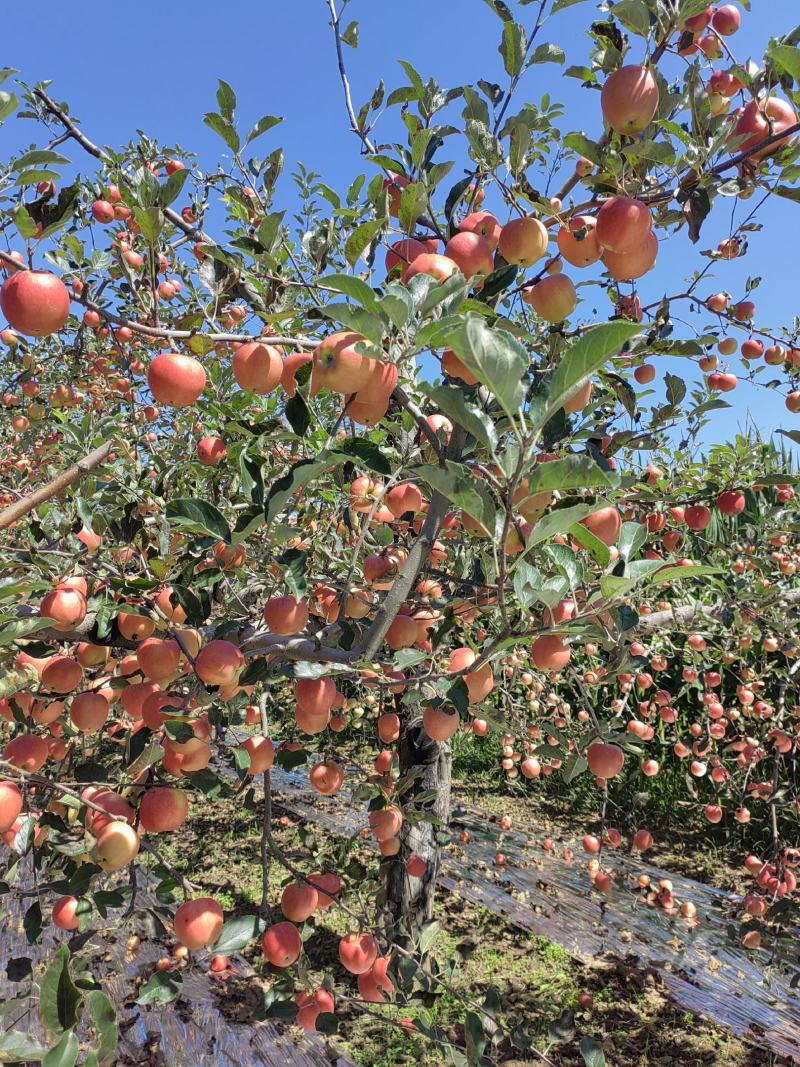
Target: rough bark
408	902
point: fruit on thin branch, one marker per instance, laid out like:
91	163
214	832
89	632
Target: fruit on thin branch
454	368
327	777
440	723
257	367
89	711
372	984
211	451
311	1006
627	266
159	659
726	20
605	524
10	803
358	952
553	298
27	751
291	365
117	844
758	121
198	923
629	99
286	615
432	264
65	606
176	379
282	944
299	901
577	242
338	366
550	653
485	225
471	253
523	241
605	761
219	663
261	752
163	809
623	224
35	302
403	252
65	913
479	683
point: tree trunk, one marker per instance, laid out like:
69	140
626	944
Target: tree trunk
408	902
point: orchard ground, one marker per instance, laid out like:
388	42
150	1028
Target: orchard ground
631	1015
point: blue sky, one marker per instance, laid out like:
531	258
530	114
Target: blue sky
155	67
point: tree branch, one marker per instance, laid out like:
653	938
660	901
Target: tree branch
348	99
15	511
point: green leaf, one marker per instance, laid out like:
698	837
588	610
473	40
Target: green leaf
19	628
462	489
39	157
592	1052
560	5
355	288
592	544
172	187
581	144
632	537
150	222
65	1053
361	238
496	359
512	48
579	363
413	201
297	414
266	122
526	583
297	478
633	15
17	1047
60	1000
24	222
787	58
238	933
267	232
427	936
104	1024
676	389
199	516
148	757
547	53
8	102
350	35
559	522
226	100
38	174
32	922
365	454
162	987
452	402
676	573
573	472
225	130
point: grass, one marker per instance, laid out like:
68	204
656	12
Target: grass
534	980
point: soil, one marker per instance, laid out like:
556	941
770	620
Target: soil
535	981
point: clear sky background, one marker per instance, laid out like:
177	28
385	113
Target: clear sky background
154	66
